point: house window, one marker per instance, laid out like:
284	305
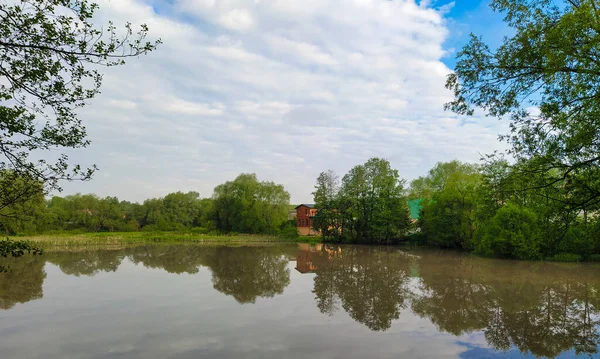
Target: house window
307	211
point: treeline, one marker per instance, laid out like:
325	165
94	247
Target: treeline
495	209
506	210
244	205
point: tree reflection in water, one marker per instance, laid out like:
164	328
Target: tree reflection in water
247	273
542	309
23	282
368	282
86	262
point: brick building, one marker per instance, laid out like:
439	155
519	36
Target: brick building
304	219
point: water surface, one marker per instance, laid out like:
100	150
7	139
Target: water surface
295	301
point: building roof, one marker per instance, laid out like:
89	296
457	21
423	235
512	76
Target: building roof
415	207
305	205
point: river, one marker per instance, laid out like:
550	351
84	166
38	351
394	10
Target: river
294	301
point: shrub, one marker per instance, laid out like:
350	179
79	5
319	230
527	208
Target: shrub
565	257
511	233
594	258
288	230
199	230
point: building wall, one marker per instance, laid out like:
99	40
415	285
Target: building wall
304	222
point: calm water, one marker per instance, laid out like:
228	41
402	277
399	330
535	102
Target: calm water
299	301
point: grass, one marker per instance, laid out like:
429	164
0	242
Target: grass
118	238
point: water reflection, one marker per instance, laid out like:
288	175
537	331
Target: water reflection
249	273
542	309
23	282
85	262
368	282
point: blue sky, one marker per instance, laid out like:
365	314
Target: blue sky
284	89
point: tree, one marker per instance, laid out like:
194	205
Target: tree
372	204
550	63
326	188
246	205
537	212
327	220
21	202
50	51
183	208
448	215
512	233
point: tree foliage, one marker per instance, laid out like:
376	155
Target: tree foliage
545	79
50	54
368	206
450	199
247	205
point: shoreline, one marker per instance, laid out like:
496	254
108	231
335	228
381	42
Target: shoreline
114	238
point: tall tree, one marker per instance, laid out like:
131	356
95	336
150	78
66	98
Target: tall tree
372	203
327	220
50	52
551	63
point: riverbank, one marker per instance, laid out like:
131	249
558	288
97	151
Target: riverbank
115	238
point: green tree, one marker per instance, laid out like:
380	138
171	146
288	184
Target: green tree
246	205
450	193
21	202
512	233
49	57
328	220
549	63
372	204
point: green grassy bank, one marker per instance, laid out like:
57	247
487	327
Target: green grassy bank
115	238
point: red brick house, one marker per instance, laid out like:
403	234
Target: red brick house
304	219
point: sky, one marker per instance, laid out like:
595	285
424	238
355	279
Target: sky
285	89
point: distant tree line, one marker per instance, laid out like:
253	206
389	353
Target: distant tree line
244	205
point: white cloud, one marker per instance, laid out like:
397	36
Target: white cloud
237	19
283	88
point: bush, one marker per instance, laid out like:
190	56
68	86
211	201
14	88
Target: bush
288	230
565	257
199	230
577	240
289	233
594	258
511	233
